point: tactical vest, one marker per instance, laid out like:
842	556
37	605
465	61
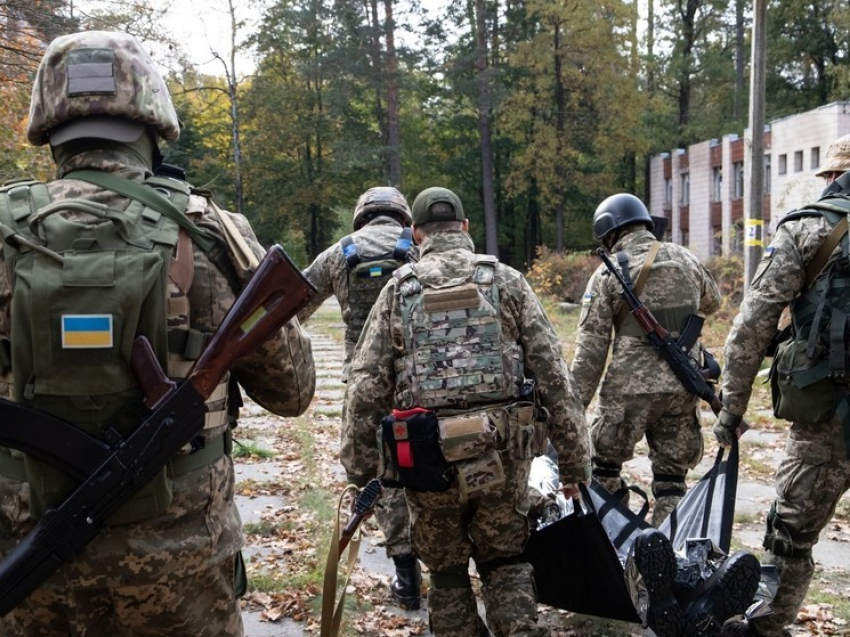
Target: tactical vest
456	354
809	373
83	287
367	277
668	281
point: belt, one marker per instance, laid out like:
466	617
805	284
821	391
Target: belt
222	445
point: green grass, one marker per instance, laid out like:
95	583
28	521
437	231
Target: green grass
250	449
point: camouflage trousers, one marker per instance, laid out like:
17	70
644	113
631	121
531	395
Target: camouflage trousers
492	530
202	605
670	423
810	481
394	521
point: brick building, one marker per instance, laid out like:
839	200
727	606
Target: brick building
703	189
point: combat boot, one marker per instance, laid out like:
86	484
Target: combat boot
656	563
406	584
728	592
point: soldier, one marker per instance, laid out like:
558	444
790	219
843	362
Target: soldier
167	561
460	365
805	268
354	270
640	395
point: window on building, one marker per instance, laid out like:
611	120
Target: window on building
767	174
738	180
685	195
798	161
783	164
814	158
717	243
668	192
717	184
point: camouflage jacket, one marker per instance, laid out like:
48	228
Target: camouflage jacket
329	271
201	526
635	368
372	377
778	280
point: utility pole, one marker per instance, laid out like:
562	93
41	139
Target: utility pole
754	149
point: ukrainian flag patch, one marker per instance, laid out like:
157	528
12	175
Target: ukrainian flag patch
87	331
375	271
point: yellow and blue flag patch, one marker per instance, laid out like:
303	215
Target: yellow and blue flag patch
87	331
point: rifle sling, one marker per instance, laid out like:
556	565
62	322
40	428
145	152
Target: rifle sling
643	275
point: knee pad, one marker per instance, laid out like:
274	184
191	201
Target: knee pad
782	541
603	469
452	577
485	569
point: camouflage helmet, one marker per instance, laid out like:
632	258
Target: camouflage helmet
618	211
425	210
98	84
381	199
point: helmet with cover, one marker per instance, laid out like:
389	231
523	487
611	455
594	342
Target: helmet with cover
619	211
381	200
99	84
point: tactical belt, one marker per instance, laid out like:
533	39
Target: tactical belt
222	445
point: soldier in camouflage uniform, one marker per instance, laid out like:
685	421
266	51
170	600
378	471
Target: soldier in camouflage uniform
354	270
640	396
452	349
101	105
815	472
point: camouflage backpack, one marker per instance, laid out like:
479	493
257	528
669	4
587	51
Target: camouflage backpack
83	286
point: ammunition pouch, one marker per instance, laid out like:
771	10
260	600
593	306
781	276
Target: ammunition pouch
467	436
779	541
802	387
412	439
523	426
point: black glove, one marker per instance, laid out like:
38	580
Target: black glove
725	428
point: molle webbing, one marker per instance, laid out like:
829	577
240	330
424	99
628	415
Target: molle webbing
456	352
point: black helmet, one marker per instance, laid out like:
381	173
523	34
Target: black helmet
618	211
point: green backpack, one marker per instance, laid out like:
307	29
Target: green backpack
814	357
81	292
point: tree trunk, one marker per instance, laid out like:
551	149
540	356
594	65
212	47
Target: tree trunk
378	84
394	174
484	123
560	126
739	59
234	113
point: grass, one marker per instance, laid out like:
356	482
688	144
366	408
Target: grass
250	449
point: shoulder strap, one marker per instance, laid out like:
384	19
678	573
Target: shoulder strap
349	251
148	197
402	246
643	275
816	265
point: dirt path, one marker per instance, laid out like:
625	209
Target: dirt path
271	504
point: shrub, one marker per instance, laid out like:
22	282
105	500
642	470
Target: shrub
561	275
728	272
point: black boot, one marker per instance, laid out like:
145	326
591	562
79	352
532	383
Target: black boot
406	584
728	592
656	563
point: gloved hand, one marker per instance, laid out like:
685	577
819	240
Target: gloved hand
725	428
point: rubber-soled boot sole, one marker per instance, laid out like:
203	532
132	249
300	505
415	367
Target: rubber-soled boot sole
728	592
656	563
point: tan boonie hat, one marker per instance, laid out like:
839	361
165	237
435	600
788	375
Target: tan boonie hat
424	210
98	84
837	157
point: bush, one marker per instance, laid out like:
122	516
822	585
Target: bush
728	272
563	276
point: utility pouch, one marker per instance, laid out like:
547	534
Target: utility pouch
801	387
467	436
480	475
413	439
527	433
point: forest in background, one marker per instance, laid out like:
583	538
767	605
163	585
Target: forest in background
533	111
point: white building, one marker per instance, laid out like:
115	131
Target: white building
702	189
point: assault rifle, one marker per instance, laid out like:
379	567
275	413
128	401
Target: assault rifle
111	472
692	380
364	506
